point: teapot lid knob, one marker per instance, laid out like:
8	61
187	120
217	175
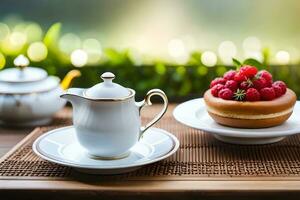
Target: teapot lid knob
107	89
21	62
108	76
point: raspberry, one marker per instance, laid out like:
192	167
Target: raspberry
248	71
282	85
246	84
215	89
267	94
268	84
216	81
259	83
232	85
252	95
239	77
266	75
278	90
226	94
229	75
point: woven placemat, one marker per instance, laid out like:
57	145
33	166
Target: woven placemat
199	155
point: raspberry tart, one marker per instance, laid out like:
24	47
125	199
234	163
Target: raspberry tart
249	98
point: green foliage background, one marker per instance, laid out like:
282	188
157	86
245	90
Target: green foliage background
180	82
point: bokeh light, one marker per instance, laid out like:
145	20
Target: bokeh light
202	70
282	57
294	54
13	44
18	38
227	50
4	31
93	49
160	68
34	32
37	51
91	44
209	58
69	42
252	48
178	51
19	27
79	58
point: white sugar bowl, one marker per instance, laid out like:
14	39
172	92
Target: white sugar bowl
107	118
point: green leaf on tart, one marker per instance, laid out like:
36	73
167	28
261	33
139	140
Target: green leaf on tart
237	63
253	62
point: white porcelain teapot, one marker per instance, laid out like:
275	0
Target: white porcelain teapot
107	118
28	96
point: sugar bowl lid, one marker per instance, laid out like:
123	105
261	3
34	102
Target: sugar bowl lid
22	73
107	89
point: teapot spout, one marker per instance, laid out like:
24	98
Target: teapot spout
73	94
67	81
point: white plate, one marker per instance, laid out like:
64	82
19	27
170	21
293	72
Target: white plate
61	146
193	113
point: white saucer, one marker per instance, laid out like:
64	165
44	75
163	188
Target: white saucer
61	146
193	113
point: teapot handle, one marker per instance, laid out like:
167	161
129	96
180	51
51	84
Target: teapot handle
147	102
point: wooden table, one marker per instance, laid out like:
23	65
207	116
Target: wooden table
9	137
212	188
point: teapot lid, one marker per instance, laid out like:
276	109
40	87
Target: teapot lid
22	73
107	89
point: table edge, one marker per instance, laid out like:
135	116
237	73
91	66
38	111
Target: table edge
155	186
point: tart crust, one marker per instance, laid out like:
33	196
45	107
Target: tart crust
258	114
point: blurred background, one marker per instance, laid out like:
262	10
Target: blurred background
175	45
